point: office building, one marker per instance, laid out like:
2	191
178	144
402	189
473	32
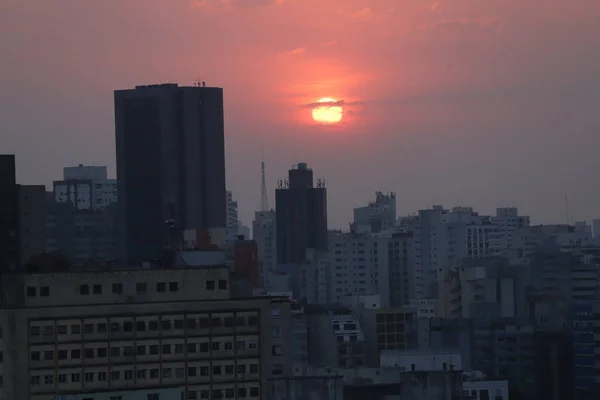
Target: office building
76	333
9	214
32	221
301	215
86	188
170	165
378	215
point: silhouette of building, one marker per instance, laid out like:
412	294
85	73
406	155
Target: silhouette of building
9	214
301	215
170	165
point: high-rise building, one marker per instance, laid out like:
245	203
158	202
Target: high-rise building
378	215
32	221
170	165
301	214
264	234
86	187
9	214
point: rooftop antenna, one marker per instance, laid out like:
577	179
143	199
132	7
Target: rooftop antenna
197	82
264	200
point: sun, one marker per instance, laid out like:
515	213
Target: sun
328	111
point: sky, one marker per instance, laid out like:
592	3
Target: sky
483	103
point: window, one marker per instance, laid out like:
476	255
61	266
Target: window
254	392
84	289
254	368
166	324
49	355
140	326
128	375
210	285
44	291
228	322
141	350
191	371
277	369
179	372
115	351
166	349
75	354
253	321
88	328
191	347
276	332
117	288
31	291
34	330
203	347
35	380
178	348
140	287
153	350
240	321
102	376
191	324
62	354
216	370
178	324
222	284
161	287
115	375
88	353
61	329
167	372
101	352
173	286
241	368
97	289
36	356
215	322
241	392
154	373
153	325
277	350
127	326
204	371
216	346
75	329
76	377
48	379
115	327
101	328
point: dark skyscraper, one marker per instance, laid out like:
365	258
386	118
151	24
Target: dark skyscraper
9	215
170	165
301	214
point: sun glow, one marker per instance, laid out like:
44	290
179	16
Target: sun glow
328	111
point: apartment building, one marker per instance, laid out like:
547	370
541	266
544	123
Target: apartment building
74	333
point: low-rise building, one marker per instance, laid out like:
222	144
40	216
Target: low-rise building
73	333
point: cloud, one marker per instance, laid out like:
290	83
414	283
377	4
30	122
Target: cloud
233	5
330	43
436	7
461	22
325	104
298	51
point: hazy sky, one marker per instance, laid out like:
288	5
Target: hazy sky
473	102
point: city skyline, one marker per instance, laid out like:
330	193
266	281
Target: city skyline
462	102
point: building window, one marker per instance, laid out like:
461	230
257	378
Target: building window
117	288
45	291
34	331
97	289
254	392
76	377
277	350
31	291
140	287
173	286
210	285
222	284
75	329
276	332
35	356
84	289
161	287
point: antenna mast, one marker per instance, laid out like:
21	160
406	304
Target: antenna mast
264	201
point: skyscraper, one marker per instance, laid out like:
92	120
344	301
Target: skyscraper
301	216
9	214
170	165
